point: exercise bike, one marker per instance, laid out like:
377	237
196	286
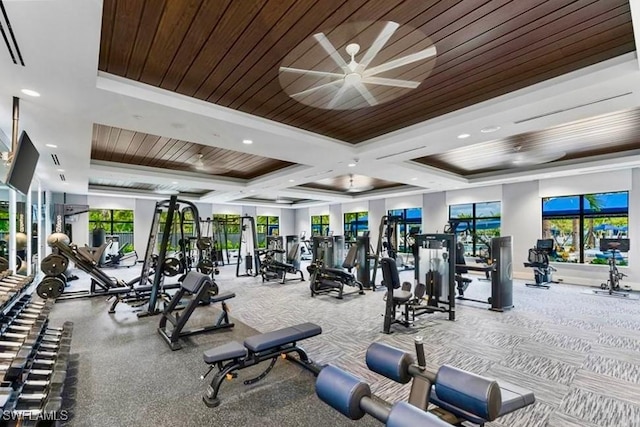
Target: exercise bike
612	285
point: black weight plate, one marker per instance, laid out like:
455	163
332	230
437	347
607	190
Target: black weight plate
204	243
205	266
171	267
50	287
4	264
54	265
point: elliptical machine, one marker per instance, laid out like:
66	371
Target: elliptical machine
539	261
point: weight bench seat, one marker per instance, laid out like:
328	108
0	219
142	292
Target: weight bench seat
231	350
258	343
513	398
234	356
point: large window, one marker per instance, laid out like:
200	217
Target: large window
577	223
267	226
479	222
409	224
319	225
232	225
355	224
115	222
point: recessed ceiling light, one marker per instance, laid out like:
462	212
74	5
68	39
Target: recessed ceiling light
247	141
464	135
60	170
252	191
174	182
292	180
351	165
51	145
30	92
414	179
490	129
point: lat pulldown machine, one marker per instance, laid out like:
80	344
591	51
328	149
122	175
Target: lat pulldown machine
248	250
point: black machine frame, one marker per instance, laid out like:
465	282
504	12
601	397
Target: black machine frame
501	269
250	255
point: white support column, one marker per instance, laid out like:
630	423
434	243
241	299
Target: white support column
41	226
635	20
28	230
12	230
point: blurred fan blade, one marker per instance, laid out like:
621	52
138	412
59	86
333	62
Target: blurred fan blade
366	94
315	88
405	60
333	53
311	72
377	45
338	95
391	82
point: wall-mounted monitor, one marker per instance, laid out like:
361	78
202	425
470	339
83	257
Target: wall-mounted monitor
23	165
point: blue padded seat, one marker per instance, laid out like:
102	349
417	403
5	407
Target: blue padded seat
513	398
231	350
283	336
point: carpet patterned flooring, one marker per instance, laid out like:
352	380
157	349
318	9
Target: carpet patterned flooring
579	353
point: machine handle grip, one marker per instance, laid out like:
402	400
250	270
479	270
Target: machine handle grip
422	361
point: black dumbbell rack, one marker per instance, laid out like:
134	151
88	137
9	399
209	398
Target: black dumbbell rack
12	289
33	362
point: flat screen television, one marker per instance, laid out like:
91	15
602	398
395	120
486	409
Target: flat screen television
23	165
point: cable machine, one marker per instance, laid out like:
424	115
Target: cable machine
387	245
248	250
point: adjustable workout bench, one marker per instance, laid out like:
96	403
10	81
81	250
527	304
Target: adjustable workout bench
234	356
204	290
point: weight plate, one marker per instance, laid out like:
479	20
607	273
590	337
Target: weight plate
205	266
54	265
50	287
171	267
204	243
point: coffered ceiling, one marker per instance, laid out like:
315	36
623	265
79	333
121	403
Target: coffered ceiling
229	52
149	96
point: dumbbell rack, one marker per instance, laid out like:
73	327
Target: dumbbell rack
33	357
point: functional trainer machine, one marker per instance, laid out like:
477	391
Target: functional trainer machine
538	259
501	270
248	250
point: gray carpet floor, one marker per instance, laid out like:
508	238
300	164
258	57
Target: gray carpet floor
579	353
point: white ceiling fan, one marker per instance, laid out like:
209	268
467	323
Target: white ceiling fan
355	75
352	189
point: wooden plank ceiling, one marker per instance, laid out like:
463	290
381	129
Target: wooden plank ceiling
110	184
137	148
229	52
612	135
352	184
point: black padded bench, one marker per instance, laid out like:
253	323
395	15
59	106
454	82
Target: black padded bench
234	356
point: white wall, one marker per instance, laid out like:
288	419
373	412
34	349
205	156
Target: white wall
219	209
521	218
491	193
249	211
79	223
405	202
144	210
336	220
98	202
376	211
303	221
435	212
288	222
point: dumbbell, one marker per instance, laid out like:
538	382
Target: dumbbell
351	396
